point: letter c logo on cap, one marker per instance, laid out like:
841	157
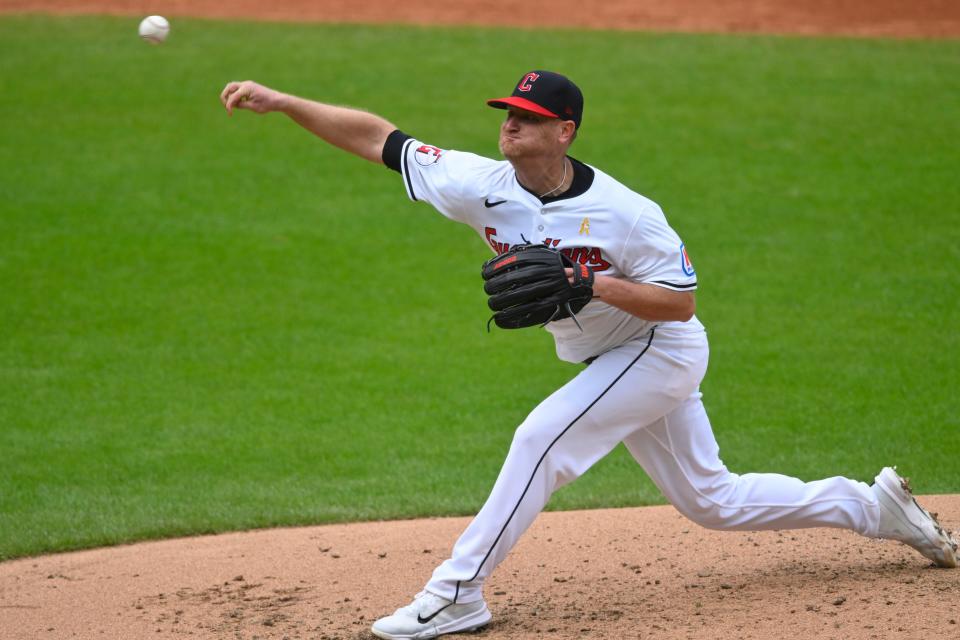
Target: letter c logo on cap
527	80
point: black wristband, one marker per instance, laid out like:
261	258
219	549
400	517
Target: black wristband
392	154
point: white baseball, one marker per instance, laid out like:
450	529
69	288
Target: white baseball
154	29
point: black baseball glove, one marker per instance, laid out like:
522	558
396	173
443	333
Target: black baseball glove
528	286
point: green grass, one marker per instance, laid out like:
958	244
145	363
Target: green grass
214	323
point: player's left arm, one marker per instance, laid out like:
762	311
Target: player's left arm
647	301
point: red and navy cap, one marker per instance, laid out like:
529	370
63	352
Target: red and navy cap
546	93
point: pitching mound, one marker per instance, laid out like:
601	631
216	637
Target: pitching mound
615	573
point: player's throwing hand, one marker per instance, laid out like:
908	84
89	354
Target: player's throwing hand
249	95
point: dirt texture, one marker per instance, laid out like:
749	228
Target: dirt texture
889	18
625	573
615	573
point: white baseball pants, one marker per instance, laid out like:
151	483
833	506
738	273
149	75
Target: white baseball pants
646	395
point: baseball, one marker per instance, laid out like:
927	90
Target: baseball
154	29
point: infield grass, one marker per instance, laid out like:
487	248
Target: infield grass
214	323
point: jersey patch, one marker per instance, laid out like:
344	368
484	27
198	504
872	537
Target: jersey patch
685	263
426	155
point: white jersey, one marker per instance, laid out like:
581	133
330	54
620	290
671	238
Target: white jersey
608	227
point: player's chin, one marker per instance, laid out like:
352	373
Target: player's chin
510	148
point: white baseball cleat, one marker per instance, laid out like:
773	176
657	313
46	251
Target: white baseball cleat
902	518
429	616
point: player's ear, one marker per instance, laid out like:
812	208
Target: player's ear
568	132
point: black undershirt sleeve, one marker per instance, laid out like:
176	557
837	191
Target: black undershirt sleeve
392	154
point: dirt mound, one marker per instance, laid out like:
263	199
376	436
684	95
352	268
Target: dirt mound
616	573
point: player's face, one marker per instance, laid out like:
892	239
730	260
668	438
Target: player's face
525	134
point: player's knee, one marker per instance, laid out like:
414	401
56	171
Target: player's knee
538	440
533	434
709	506
707	517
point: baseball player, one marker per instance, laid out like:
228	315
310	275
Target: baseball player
645	350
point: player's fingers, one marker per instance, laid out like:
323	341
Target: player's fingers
569	273
226	97
236	98
227	91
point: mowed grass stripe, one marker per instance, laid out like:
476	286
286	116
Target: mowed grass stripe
215	323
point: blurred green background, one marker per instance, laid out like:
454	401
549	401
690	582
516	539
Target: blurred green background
212	323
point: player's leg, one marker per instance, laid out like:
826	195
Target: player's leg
681	455
566	434
562	438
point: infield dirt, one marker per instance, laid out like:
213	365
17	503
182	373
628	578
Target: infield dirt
614	573
625	573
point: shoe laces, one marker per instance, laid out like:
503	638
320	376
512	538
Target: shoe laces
426	603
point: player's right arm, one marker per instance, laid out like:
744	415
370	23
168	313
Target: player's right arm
352	130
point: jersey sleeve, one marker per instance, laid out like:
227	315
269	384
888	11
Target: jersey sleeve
654	254
434	175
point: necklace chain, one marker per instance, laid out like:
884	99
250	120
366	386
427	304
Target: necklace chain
562	180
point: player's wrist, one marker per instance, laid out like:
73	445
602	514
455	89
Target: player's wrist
601	286
282	102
